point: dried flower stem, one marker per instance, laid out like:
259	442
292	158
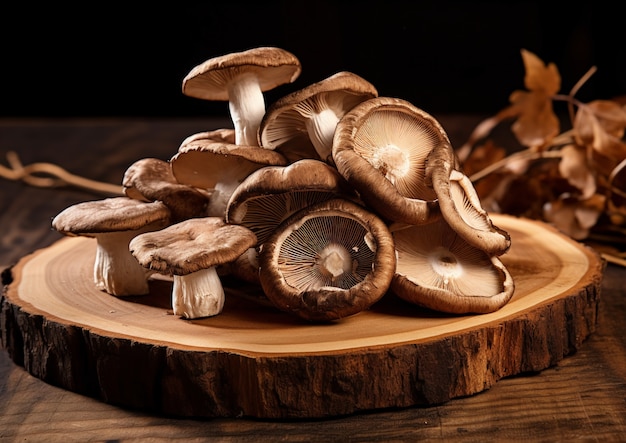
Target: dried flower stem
53	176
526	154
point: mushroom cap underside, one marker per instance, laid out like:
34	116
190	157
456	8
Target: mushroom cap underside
327	262
381	148
284	125
437	269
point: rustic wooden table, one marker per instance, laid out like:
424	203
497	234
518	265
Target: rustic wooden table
583	397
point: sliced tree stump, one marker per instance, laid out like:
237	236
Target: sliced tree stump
253	360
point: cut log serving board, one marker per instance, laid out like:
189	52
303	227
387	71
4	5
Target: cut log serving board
253	360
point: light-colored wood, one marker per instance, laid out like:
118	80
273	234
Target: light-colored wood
256	361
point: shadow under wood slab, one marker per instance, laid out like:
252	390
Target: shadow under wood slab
253	360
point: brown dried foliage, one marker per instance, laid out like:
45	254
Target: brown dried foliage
574	179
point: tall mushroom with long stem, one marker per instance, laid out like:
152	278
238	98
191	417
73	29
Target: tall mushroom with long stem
241	78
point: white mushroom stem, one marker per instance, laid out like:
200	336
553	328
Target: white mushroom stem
223	189
247	107
321	129
115	269
198	294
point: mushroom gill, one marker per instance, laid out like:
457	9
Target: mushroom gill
328	261
438	269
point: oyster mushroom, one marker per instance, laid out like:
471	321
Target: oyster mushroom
438	269
302	124
151	179
460	206
381	148
328	261
113	222
271	194
219	167
190	251
241	78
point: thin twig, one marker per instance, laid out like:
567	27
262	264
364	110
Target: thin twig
521	155
54	176
614	259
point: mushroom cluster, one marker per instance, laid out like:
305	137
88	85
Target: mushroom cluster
327	199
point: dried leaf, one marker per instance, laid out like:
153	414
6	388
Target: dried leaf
537	123
574	217
602	136
573	167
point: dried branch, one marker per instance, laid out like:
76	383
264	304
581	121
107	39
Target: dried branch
49	175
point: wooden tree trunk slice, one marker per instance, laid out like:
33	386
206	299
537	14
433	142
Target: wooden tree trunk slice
253	360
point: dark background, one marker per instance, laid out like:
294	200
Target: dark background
114	59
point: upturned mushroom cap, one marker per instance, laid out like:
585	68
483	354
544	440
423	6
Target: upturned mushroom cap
437	269
302	124
151	179
219	167
241	78
460	206
271	194
381	147
329	261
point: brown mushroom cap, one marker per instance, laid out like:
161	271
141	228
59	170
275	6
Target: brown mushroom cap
151	179
381	147
191	245
329	261
437	269
460	206
273	67
241	78
271	194
203	163
113	222
302	124
224	135
110	215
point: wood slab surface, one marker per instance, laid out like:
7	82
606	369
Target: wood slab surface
253	360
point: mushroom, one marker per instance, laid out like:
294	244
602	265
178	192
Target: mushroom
219	167
438	269
113	222
328	261
302	124
151	179
381	147
225	135
460	206
271	194
241	78
190	251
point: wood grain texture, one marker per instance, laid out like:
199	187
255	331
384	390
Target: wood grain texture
254	360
